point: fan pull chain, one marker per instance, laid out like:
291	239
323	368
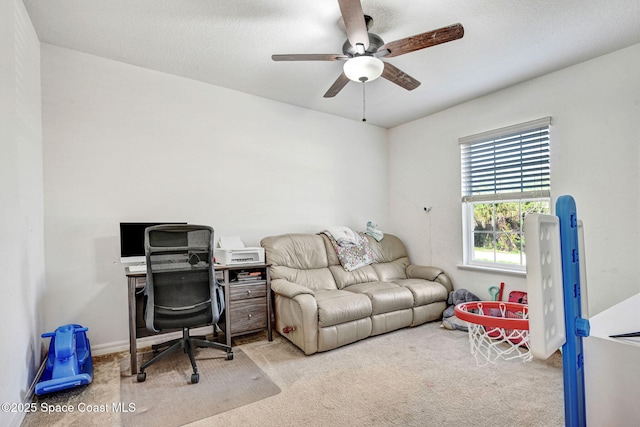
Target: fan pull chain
363	103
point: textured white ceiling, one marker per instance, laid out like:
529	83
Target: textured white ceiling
230	43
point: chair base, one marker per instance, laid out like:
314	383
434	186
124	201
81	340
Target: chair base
188	344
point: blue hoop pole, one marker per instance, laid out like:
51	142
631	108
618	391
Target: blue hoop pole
575	326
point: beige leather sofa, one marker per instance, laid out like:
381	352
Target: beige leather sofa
320	306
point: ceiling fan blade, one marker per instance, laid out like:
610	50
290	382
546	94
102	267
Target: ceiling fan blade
399	77
424	40
309	57
354	23
337	86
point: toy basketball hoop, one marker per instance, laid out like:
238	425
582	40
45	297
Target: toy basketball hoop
497	330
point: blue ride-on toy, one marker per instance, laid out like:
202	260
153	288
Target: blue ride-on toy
69	362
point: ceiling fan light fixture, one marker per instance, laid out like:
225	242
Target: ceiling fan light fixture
363	68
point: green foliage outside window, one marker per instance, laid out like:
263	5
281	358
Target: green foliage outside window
498	230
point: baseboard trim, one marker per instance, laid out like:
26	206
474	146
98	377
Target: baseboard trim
120	346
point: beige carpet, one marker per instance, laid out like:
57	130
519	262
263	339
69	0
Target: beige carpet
423	376
168	398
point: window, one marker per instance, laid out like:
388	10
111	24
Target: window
505	176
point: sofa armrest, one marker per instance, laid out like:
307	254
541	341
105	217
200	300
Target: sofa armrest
296	314
432	274
289	289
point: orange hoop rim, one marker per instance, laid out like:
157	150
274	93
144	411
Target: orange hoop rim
463	312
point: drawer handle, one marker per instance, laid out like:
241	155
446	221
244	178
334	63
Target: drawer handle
248	291
250	315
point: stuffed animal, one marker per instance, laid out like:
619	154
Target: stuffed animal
449	319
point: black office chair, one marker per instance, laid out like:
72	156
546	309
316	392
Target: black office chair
182	291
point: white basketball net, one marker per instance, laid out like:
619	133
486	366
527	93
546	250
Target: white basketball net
488	344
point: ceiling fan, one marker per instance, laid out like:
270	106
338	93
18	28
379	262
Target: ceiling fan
362	50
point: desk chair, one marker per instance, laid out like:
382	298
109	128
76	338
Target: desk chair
181	289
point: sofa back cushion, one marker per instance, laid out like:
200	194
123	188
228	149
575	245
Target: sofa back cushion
299	258
343	277
391	258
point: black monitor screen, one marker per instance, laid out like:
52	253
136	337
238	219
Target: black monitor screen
132	239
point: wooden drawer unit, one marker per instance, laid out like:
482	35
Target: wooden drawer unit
248	307
248	316
247	292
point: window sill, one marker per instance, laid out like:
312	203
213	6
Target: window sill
493	270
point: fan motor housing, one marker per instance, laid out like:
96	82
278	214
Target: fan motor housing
375	41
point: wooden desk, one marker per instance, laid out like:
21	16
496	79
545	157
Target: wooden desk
247	294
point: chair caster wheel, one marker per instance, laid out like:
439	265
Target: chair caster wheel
141	377
195	378
230	355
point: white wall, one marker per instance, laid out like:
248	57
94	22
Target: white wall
122	143
21	208
595	137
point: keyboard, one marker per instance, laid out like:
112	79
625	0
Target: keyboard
138	268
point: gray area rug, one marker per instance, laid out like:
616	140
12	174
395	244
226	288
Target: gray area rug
168	398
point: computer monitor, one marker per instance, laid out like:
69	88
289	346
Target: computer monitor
132	240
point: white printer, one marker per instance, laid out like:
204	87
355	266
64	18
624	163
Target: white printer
232	251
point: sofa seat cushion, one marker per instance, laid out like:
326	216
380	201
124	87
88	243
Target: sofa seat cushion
424	291
385	296
338	306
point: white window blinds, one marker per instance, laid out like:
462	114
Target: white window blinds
507	163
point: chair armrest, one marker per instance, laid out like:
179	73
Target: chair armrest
432	274
289	289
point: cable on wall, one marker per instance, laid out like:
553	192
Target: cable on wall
427	210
